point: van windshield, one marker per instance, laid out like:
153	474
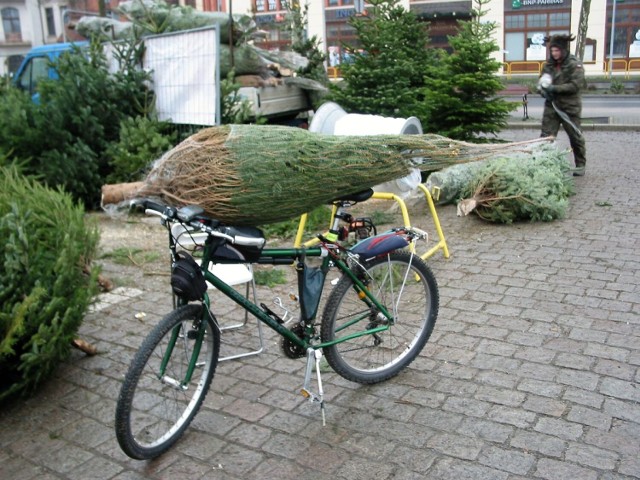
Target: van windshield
34	71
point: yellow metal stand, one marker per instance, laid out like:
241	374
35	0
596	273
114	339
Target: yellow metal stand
442	243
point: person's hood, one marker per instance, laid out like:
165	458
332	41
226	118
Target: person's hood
561	41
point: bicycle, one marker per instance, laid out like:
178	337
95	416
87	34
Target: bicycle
375	322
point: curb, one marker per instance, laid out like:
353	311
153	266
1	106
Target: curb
591	127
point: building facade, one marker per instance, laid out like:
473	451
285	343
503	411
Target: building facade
521	26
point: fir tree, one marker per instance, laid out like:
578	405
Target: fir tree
386	76
462	99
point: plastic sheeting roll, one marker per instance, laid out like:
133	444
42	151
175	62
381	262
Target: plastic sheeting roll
331	119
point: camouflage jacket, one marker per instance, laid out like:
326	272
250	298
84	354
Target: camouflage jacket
568	80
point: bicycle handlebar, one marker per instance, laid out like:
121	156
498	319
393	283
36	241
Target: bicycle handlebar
205	224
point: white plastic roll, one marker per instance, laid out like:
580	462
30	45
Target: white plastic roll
331	119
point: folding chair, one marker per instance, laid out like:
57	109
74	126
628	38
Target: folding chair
231	274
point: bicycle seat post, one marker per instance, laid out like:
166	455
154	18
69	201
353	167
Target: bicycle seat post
340	216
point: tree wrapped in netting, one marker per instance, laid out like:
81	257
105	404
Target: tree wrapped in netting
44	285
259	174
534	187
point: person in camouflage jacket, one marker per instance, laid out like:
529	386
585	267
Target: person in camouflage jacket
561	81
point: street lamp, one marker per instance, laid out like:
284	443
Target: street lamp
613	33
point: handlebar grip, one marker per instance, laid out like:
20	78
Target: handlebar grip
151	205
163	210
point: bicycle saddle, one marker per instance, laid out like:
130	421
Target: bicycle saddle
355	197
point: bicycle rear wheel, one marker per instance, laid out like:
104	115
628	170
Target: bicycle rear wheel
155	405
405	285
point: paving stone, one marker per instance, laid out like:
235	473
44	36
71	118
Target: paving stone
589	417
630	466
546	406
511	416
466	406
500	396
448	469
455	445
547	389
584	397
575	361
362	469
508	460
606	351
559	428
591	456
622	389
538	442
554	470
580	379
620	409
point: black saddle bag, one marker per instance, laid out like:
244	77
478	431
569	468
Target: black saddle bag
187	280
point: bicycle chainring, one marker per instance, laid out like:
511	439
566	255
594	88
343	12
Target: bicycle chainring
289	348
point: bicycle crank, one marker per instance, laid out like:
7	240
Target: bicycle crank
289	348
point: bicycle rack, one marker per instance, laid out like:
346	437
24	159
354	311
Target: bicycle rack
441	245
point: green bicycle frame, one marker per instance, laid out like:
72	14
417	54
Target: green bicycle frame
276	256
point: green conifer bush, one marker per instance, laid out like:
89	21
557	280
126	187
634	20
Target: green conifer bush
462	98
44	285
386	74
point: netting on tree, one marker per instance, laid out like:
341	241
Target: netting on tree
251	175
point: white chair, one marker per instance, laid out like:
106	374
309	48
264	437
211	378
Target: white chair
231	274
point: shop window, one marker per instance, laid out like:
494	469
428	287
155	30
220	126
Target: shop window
536	20
559	19
339	3
514	21
524	33
514	45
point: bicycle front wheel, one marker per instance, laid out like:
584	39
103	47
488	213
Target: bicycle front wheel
157	400
405	285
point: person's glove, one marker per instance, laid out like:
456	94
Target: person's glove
550	89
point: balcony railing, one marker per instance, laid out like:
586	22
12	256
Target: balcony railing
13	37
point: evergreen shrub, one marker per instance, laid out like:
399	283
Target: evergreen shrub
463	98
142	140
44	285
385	76
64	139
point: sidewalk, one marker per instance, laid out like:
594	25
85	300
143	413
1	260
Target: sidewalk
533	370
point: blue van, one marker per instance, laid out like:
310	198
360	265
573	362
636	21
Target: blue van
37	65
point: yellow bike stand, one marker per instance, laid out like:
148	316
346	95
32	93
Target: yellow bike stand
441	245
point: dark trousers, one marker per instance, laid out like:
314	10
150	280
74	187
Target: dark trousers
551	122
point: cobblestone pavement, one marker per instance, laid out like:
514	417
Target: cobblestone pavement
532	370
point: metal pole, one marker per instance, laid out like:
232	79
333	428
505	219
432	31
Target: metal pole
613	33
231	33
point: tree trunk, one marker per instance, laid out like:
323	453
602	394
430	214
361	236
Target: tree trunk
583	26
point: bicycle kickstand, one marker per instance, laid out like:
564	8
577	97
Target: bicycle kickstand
314	356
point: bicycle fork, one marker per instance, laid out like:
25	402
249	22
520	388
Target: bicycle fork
314	357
